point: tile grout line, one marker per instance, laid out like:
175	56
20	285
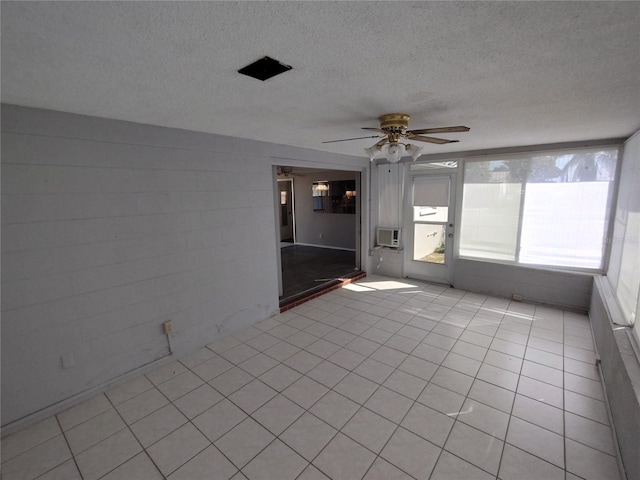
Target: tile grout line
428	382
564	402
360	405
70	451
396	369
127	426
515	393
414	401
398	425
465	399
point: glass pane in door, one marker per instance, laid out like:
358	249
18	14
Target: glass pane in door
429	243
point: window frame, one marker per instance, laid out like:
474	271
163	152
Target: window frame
524	154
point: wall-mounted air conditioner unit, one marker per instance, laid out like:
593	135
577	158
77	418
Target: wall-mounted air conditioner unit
388	237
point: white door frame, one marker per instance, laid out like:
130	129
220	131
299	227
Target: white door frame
431	272
291	201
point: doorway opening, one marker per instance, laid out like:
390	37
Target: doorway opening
318	226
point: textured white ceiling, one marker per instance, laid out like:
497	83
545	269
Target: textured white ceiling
517	73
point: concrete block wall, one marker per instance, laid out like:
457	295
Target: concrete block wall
624	265
615	297
387	261
563	289
620	370
111	228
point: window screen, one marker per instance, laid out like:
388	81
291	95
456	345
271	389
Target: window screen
550	209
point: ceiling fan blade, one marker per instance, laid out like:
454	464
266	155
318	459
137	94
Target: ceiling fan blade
374	129
439	141
349	139
440	130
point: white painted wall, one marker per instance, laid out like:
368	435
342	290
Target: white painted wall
620	370
624	263
570	290
387	261
110	228
615	302
386	211
318	228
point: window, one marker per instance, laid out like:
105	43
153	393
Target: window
539	209
429	166
319	191
337	196
624	265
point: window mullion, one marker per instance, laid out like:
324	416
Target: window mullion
523	191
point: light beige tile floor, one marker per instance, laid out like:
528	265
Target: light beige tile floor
385	379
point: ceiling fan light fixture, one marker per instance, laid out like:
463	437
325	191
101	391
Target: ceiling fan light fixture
394	129
372	152
414	151
394	152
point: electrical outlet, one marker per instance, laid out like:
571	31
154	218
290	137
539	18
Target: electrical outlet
321	235
517	297
67	360
168	327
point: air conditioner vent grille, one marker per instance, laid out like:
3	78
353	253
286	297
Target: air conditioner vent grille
388	237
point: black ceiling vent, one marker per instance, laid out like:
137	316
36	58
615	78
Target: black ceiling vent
264	69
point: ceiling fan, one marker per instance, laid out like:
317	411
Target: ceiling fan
288	171
393	129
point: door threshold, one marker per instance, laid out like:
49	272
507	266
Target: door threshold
302	297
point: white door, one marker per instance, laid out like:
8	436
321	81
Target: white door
430	229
